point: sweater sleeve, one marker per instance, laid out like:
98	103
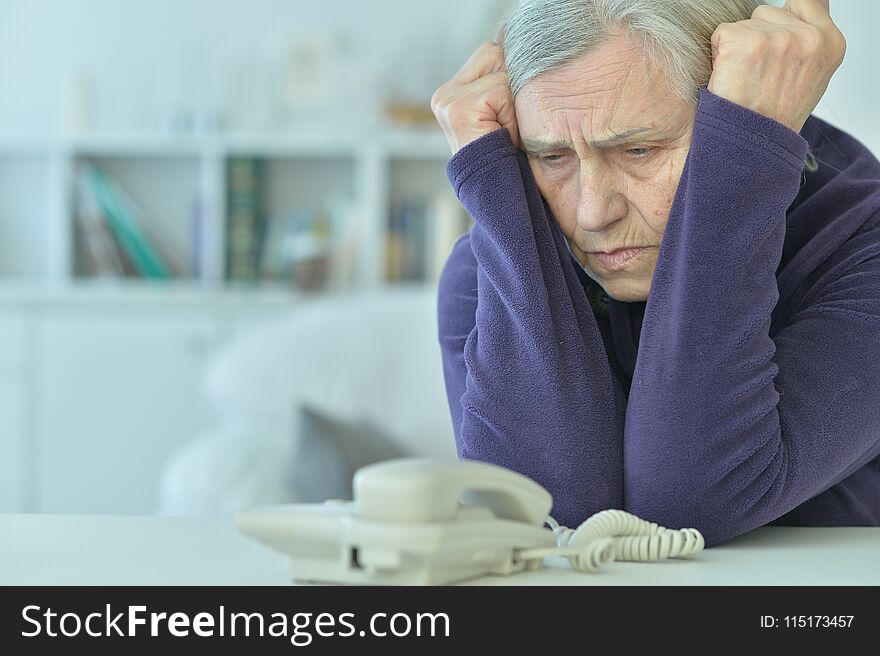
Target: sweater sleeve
528	380
727	428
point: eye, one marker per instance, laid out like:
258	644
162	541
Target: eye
551	159
639	153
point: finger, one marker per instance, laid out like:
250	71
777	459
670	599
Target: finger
486	59
814	12
499	35
775	15
494	89
507	118
490	82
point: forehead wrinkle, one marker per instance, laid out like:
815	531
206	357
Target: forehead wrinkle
586	100
539	145
576	118
600	80
555	95
571	129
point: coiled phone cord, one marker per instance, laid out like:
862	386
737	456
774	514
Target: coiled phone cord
617	535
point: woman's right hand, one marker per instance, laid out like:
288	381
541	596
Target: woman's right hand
477	100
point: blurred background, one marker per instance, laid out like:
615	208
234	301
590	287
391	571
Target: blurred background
221	226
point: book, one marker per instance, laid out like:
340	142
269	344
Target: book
100	254
197	238
406	240
447	221
244	221
394	246
164	251
346	242
421	234
126	223
415	218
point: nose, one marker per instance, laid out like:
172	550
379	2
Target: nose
600	202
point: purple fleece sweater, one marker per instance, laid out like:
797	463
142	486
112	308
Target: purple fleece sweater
755	396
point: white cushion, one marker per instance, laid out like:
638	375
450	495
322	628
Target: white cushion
226	468
370	356
364	359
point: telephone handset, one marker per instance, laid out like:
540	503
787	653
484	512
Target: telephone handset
410	490
419	521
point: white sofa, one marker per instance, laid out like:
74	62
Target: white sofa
369	357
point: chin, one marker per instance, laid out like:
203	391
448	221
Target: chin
627	291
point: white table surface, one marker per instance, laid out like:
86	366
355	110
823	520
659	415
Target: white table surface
147	550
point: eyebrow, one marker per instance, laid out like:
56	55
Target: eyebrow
539	146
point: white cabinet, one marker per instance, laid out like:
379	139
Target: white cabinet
119	391
11	445
100	385
12	410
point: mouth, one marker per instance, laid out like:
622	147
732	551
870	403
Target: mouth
618	259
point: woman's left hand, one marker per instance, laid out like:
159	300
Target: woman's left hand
780	61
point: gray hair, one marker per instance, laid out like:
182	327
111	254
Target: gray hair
544	35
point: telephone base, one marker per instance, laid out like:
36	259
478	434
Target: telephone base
317	571
330	543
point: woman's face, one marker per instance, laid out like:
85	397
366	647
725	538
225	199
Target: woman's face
607	141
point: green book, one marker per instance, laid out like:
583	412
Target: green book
124	226
243	218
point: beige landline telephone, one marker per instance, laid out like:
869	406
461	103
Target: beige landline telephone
423	522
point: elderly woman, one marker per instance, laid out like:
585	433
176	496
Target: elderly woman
669	301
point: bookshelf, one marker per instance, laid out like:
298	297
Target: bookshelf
321	211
